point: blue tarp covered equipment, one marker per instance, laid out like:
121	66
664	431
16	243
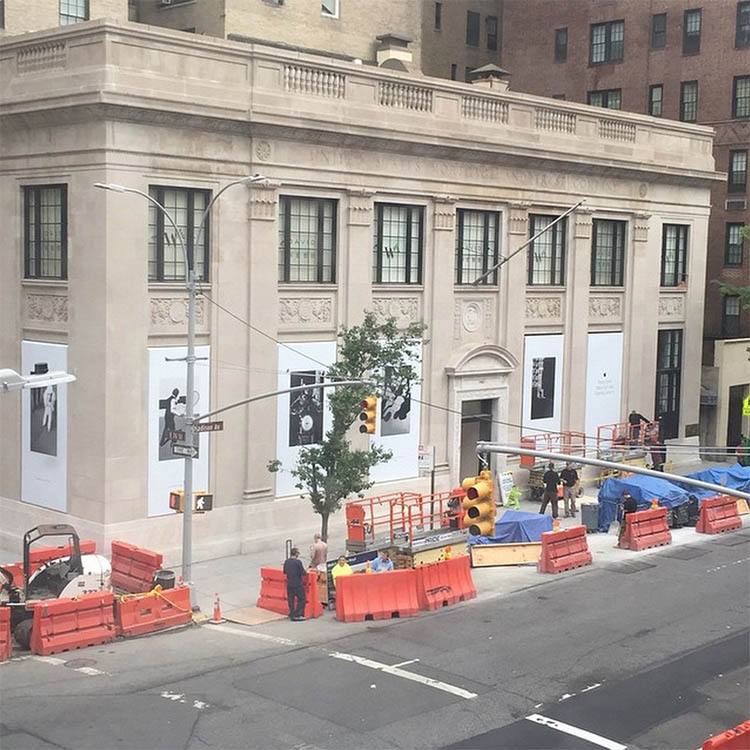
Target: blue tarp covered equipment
516	526
736	477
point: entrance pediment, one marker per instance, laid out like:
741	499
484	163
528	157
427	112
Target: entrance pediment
484	359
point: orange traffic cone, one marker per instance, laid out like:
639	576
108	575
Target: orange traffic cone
217	619
556	524
368	569
448	553
654	504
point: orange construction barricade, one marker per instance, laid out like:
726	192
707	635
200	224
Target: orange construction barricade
273	592
564	550
136	614
718	514
133	568
733	739
65	624
441	584
377	596
645	529
6	646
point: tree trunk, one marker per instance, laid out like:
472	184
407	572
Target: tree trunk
324	526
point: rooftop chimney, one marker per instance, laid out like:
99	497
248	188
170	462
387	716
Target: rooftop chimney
393	51
490	77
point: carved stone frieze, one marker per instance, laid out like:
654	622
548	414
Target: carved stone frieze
263	150
48	308
360	207
543	308
45	56
672	306
582	221
444	217
518	217
605	307
173	311
640	226
305	310
404	309
263	200
472	316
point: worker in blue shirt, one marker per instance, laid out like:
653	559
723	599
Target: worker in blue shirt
382	564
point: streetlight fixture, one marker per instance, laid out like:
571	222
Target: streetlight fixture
10	380
191	287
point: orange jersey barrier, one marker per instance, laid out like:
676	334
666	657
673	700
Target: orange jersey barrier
718	514
273	592
564	550
733	739
42	555
136	614
441	584
65	624
133	568
5	644
377	596
645	529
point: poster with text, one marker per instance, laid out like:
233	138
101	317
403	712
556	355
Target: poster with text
542	383
603	382
305	408
45	428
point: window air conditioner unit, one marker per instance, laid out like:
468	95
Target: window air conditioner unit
735	204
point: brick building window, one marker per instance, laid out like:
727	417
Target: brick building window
477	243
733	249
730	316
491	26
689	101
330	8
472	28
454	71
546	255
607	42
561	44
674	254
45	210
741	97
398	244
656	100
691	32
737	181
607	253
165	259
307	239
73	11
742	36
2	14
658	31
438	16
608	98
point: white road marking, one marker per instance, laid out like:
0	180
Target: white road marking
404	663
565	697
180	698
49	660
726	565
592	687
582	734
90	671
396	672
257	636
57	662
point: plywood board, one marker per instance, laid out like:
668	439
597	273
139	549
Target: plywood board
490	555
252	616
437	554
742	508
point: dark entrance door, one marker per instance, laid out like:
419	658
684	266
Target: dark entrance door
476	425
737	395
668	375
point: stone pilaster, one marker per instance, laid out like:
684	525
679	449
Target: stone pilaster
354	262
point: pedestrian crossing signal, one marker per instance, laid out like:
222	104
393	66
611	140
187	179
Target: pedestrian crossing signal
177	501
203	502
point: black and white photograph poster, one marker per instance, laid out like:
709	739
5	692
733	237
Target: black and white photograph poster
172	420
44	457
542	383
395	409
542	387
305	409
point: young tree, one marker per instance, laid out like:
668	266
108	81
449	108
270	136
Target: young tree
331	471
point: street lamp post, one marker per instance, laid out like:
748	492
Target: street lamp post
190	286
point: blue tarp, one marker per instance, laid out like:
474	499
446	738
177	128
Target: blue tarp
736	477
516	526
643	489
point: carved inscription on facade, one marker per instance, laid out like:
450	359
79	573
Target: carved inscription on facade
173	311
404	309
605	307
543	308
48	308
305	310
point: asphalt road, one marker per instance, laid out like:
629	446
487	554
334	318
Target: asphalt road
651	653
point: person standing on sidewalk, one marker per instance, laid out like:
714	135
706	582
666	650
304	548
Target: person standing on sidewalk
569	478
551	479
318	554
295	573
629	505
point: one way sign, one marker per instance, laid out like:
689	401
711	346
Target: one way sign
203	502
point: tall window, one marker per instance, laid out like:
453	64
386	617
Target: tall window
165	258
454	71
561	44
329	8
607	42
547	253
46	232
730	316
689	101
733	250
658	31
307	239
2	14
608	253
691	32
477	243
472	28
737	172
674	254
609	98
742	36
491	24
73	11
741	97
668	376
656	100
438	16
398	244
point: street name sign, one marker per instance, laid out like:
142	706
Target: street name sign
186	451
208	426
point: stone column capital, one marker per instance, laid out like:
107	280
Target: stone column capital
263	199
360	206
444	217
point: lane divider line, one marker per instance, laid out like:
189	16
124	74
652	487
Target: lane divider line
257	636
404	663
582	734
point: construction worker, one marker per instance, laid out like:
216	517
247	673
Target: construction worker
382	564
341	568
629	505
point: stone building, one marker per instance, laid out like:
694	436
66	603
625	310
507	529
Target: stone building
385	191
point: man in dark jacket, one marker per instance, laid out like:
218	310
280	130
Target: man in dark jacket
569	478
629	505
551	479
295	573
634	420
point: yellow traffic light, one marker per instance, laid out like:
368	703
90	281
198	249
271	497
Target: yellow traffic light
368	415
479	504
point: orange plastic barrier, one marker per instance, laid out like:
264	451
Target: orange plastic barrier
136	614
645	529
42	555
564	550
377	596
65	624
133	568
5	644
718	514
733	739
443	583
273	593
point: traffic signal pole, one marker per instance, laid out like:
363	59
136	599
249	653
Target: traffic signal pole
483	448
